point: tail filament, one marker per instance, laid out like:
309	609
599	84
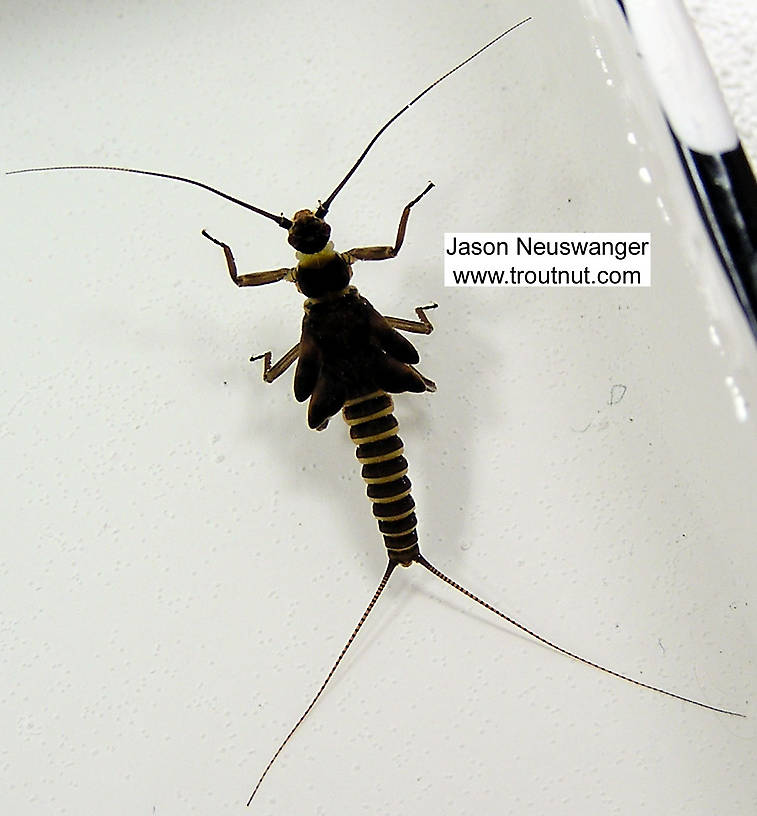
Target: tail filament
382	585
447	580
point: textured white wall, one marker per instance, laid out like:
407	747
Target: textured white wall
728	30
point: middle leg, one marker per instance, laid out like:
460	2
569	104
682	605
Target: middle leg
421	326
272	372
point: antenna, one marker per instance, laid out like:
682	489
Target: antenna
323	207
279	219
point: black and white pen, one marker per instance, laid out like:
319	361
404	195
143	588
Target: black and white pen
718	170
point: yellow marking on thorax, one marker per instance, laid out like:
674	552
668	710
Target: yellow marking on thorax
330	296
310	260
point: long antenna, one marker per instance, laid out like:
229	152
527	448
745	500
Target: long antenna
382	585
279	219
447	580
323	207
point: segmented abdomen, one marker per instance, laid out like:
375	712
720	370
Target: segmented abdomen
373	428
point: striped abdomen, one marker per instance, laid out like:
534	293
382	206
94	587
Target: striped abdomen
373	428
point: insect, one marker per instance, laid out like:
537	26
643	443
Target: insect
350	358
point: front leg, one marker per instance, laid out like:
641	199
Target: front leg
272	372
253	278
381	253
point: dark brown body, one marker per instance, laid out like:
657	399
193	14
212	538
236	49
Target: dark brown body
349	358
348	350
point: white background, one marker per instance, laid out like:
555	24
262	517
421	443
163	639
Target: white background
182	559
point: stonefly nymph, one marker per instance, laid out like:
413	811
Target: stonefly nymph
351	358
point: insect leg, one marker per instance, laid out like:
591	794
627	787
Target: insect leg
381	253
271	372
253	278
421	326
